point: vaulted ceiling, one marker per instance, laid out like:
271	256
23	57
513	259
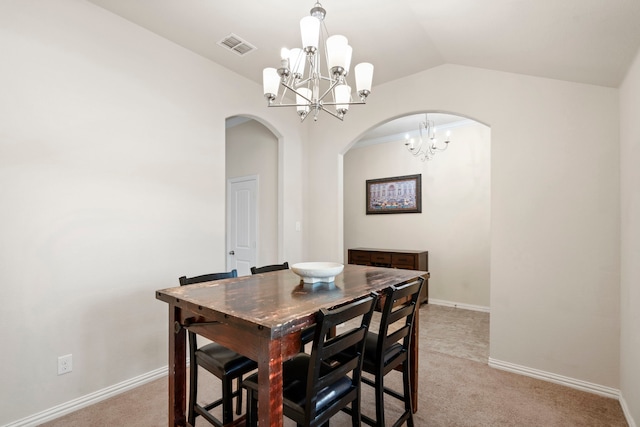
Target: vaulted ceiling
586	41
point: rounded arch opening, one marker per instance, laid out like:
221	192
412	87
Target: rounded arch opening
454	225
253	150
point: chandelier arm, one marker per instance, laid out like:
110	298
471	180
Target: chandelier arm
333	85
303	117
420	152
345	103
326	78
446	145
284	92
416	153
321	107
296	92
289	105
434	148
303	82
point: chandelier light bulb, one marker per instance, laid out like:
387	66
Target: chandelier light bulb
347	62
310	32
303	104
343	97
409	142
284	62
364	78
270	83
338	55
297	62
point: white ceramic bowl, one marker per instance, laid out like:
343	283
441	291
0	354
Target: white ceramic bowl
317	272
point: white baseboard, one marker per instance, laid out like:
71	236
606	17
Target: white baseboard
105	393
459	305
627	413
567	381
89	399
555	378
546	376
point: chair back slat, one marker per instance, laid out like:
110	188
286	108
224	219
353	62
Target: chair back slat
397	335
401	310
324	371
335	374
207	277
406	290
268	268
342	342
400	306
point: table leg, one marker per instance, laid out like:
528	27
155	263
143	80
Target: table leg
270	374
177	369
413	360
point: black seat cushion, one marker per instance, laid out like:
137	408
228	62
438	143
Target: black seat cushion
294	384
215	357
369	362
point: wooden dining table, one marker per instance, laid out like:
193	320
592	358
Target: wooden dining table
262	316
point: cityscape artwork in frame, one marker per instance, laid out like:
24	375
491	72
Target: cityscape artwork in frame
400	194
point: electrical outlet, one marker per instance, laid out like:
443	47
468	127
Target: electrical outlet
65	364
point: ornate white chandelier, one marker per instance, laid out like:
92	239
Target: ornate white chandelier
313	91
427	145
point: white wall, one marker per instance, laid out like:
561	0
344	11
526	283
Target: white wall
454	223
253	150
554	211
112	166
112	152
630	243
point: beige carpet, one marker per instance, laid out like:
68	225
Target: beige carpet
457	388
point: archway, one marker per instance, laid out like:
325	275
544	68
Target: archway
454	225
252	150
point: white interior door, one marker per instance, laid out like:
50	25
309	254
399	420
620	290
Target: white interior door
242	224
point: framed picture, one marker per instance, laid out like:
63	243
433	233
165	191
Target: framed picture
400	194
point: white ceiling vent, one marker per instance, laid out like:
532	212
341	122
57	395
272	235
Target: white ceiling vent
236	44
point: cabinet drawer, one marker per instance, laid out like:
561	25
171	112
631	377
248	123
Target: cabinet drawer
357	257
381	258
403	261
404	266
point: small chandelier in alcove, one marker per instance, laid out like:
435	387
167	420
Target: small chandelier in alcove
427	145
314	91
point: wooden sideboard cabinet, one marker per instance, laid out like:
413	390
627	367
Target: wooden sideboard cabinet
408	260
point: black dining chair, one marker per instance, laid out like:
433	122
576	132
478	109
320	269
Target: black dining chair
268	268
316	386
220	361
388	349
307	333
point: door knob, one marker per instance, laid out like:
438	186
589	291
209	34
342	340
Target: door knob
232	252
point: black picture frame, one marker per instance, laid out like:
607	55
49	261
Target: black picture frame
398	194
